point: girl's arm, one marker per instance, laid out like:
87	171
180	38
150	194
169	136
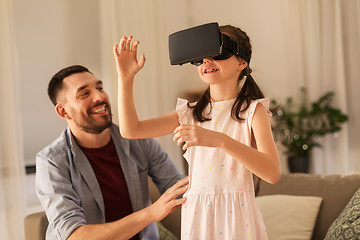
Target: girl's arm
127	67
263	161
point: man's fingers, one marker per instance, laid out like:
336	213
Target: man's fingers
177	189
181	190
176	203
182	182
174	193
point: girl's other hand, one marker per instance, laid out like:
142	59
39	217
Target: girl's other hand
193	135
126	58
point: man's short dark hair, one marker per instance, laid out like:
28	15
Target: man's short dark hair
56	82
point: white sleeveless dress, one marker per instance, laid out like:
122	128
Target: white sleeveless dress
220	200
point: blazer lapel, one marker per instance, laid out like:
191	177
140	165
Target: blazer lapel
129	168
85	169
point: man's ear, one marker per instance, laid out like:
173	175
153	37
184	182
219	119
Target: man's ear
61	111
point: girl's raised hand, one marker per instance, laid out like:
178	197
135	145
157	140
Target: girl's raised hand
194	135
126	58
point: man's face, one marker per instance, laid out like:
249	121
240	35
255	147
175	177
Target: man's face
85	102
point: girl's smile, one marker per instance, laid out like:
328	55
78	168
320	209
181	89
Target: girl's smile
210	70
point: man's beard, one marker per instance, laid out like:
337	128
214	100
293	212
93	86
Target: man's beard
89	125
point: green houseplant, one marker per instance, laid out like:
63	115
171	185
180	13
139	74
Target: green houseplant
297	125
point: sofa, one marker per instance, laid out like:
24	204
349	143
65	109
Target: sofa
335	192
325	195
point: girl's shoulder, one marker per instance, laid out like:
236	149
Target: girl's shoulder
182	104
183	110
265	102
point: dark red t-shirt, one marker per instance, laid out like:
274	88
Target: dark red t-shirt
108	171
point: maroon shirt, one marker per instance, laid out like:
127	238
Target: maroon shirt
108	171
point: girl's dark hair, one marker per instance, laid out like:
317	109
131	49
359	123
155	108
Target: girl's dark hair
250	90
56	82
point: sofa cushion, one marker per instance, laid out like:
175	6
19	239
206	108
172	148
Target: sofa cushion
35	226
335	190
347	225
289	217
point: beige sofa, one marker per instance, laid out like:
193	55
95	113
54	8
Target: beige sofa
335	191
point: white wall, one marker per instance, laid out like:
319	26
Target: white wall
49	36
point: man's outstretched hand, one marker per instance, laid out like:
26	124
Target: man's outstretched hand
168	203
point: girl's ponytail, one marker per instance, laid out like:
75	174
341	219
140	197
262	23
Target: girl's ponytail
249	91
200	106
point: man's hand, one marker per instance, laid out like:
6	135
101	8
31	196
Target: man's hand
125	55
128	226
168	203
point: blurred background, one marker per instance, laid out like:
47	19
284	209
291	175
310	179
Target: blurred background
310	43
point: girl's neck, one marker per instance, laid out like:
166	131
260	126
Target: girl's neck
218	94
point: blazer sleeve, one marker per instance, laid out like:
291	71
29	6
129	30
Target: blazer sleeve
57	196
161	168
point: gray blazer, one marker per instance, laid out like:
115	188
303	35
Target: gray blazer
70	194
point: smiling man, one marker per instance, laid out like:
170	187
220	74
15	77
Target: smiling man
91	182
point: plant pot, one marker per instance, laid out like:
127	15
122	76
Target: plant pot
298	164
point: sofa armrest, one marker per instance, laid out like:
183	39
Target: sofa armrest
35	226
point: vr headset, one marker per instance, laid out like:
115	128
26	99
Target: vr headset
204	41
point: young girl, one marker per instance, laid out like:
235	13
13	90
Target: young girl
227	137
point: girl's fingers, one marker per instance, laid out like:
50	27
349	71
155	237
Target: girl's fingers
178	128
183	127
122	43
134	45
142	61
127	44
186	145
177	137
115	50
180	141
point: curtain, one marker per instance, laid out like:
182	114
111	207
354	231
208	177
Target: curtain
12	171
323	54
154	91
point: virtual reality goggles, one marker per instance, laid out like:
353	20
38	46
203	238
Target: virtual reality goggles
204	41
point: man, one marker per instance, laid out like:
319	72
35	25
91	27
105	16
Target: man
91	182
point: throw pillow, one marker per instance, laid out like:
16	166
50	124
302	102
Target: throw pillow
289	217
347	224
